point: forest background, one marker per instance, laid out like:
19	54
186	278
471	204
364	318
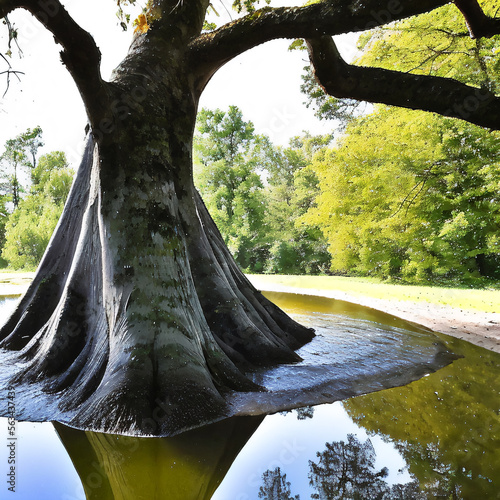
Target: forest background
401	195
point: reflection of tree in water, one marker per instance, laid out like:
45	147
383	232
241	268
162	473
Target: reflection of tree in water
302	413
347	470
446	426
275	486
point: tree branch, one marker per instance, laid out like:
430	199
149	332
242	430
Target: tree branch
479	24
80	53
329	17
429	93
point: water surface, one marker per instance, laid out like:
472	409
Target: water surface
437	437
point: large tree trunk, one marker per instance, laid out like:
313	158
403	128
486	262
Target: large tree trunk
138	320
137	304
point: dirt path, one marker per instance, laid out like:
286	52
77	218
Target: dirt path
480	328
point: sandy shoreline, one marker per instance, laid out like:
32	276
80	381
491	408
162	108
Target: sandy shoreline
479	328
474	326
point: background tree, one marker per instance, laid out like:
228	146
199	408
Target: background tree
19	156
275	486
165	319
256	192
3	221
229	181
292	186
417	202
32	223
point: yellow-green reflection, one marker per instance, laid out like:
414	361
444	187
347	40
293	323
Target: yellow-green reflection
446	425
184	467
306	307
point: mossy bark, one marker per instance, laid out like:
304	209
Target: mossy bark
139	320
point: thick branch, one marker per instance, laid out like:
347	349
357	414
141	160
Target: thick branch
429	93
479	24
80	55
210	51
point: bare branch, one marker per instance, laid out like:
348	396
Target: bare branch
80	53
479	24
329	17
429	93
8	72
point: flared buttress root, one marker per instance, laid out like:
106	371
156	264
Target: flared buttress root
138	320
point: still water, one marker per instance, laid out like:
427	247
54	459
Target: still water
438	437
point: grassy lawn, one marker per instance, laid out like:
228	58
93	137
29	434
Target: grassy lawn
481	300
10	277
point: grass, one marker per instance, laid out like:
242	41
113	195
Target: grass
462	298
15	277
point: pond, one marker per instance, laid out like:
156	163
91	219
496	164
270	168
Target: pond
437	437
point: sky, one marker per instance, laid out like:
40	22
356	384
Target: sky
264	82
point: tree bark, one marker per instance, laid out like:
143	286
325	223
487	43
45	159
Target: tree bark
429	93
138	320
137	303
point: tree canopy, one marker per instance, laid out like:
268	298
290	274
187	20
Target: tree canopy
314	22
30	226
407	194
416	202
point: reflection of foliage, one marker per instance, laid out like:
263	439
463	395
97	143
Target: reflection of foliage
346	470
305	413
454	454
302	413
275	486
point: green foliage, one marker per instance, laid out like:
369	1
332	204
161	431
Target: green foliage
325	106
407	194
30	226
255	192
229	183
247	5
417	201
436	42
29	230
451	454
4	217
53	177
296	247
18	157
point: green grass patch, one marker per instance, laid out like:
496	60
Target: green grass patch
15	277
462	298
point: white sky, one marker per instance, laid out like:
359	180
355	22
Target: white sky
264	82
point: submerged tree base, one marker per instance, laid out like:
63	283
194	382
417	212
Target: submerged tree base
345	359
139	322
